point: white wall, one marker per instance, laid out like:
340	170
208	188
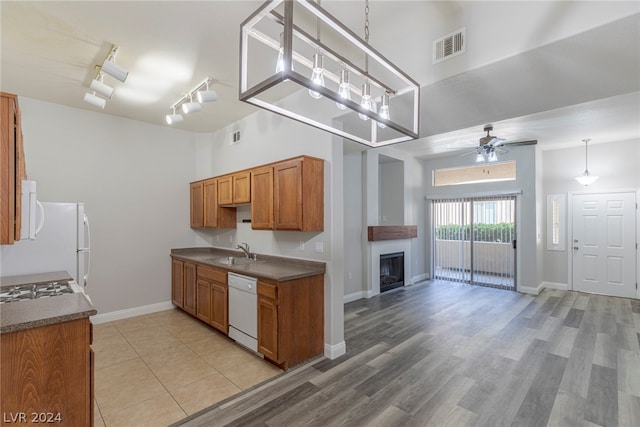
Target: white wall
133	178
616	163
391	193
353	225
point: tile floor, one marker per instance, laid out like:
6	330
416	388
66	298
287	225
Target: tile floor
158	368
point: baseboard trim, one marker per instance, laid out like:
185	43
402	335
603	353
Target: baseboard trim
335	351
419	278
131	312
354	296
530	289
555	285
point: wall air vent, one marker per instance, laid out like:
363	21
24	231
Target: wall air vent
449	46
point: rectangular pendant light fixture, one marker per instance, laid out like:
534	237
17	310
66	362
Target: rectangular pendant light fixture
337	82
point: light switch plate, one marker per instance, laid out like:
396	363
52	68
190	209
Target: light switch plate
320	247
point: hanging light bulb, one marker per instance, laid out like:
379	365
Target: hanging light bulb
365	101
344	89
384	110
586	178
280	60
317	77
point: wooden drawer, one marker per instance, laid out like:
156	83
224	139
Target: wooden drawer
267	290
212	273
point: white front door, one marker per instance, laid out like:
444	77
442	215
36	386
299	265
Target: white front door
604	244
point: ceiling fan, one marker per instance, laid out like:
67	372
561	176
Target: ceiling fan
490	146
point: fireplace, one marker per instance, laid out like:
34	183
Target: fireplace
391	271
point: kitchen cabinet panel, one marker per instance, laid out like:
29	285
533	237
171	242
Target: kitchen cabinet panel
49	369
12	169
291	320
197	204
220	307
234	189
225	190
241	187
262	198
214	215
212	297
189	272
177	282
299	194
203	300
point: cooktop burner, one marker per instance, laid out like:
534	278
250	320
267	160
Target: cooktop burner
35	291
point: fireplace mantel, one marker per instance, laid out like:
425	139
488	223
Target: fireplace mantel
392	232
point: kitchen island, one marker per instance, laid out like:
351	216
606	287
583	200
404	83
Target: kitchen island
46	359
289	303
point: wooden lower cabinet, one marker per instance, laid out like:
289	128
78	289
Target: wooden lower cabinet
177	282
47	373
189	278
203	300
219	307
291	320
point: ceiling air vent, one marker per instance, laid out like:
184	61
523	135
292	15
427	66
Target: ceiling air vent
448	46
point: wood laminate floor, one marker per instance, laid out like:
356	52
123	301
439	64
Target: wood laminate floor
447	354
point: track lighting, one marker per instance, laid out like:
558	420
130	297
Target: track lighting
97	85
173	118
188	105
191	107
111	68
207	95
93	99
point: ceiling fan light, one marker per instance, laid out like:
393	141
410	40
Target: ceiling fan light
493	157
96	101
479	157
101	88
114	70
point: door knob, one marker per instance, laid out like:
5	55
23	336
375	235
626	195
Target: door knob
575	240
575	248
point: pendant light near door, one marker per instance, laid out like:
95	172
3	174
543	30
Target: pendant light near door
586	178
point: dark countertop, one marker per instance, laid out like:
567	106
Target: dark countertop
21	315
276	268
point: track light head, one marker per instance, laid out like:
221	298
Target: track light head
114	70
96	101
173	118
101	88
191	107
206	96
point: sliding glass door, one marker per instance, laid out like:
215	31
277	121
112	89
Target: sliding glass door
474	240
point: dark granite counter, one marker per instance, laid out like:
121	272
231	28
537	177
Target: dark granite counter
20	315
276	268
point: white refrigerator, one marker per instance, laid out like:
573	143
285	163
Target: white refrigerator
62	244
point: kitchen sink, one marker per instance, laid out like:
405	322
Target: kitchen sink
232	260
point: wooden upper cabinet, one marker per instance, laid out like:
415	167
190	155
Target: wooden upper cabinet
298	194
214	215
241	187
197	204
205	211
262	198
12	169
225	190
234	189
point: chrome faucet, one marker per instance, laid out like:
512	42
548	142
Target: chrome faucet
244	249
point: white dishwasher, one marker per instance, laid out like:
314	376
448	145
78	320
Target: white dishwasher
243	310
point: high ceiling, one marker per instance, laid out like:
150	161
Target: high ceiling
554	71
